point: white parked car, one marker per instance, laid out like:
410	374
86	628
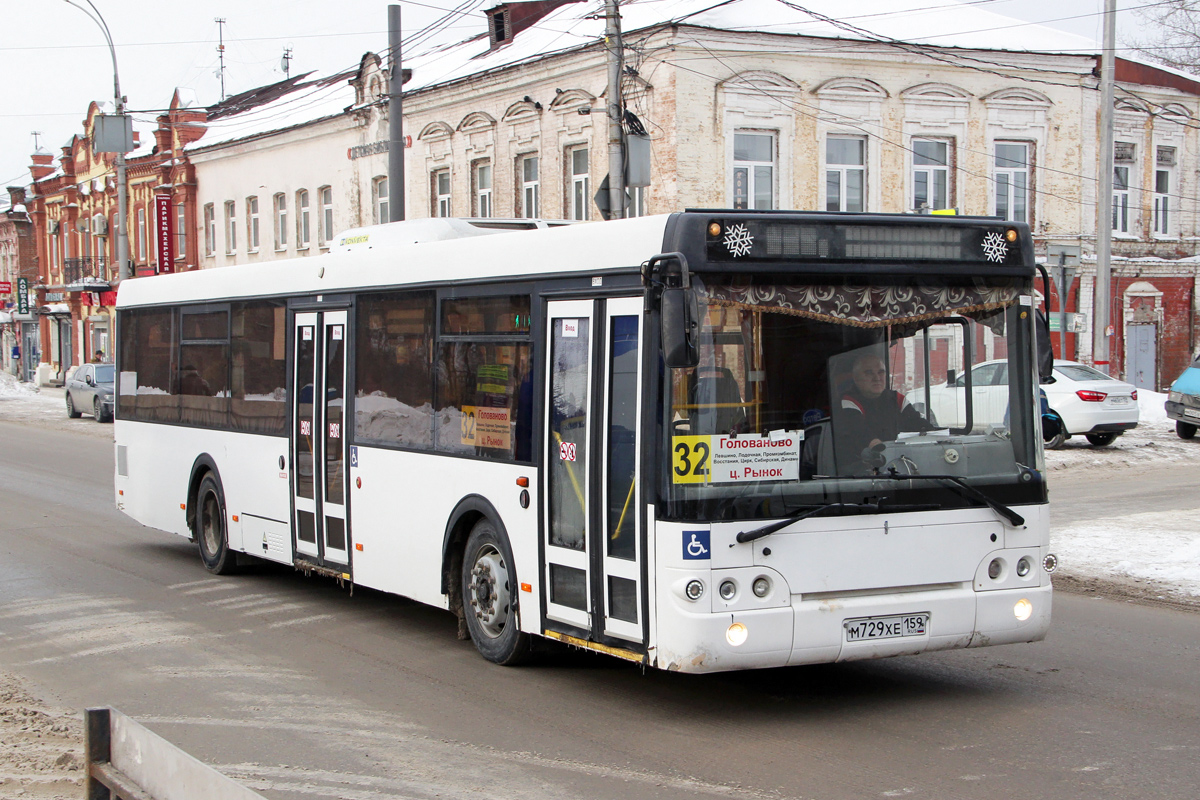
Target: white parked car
1089	402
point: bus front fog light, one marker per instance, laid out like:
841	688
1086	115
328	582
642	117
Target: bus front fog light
727	590
1023	610
1024	566
736	634
996	569
762	586
694	590
1050	563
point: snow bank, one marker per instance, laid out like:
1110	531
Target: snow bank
11	387
1163	547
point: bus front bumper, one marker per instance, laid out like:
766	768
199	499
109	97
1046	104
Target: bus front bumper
814	630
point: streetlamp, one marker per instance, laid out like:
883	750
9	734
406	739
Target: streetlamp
125	142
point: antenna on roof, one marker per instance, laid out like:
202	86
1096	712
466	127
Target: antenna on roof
221	53
36	134
285	63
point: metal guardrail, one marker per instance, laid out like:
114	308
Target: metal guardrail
125	761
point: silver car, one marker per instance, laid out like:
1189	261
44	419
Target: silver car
90	389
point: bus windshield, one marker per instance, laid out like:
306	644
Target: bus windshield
843	391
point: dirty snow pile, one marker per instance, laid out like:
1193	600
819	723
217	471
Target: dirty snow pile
11	387
1167	552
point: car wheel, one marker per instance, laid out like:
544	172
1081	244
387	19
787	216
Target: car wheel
1058	440
1102	439
1185	430
72	412
208	528
98	411
489	589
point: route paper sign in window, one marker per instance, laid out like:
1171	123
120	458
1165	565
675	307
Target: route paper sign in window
728	459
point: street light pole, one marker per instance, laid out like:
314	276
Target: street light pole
122	192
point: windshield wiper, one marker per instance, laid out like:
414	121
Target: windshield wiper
844	509
963	489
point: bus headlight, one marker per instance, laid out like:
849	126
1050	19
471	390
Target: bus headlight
736	634
762	586
694	590
1023	566
1023	610
1050	563
727	590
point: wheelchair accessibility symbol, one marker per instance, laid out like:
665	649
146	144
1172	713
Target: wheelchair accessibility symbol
695	545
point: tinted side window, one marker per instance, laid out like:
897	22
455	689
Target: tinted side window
393	402
203	378
258	401
146	389
484	378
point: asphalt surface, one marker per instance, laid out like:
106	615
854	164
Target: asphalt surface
299	689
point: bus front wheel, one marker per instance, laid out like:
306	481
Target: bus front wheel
208	527
489	590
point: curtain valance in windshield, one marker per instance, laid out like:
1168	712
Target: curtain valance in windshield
866	306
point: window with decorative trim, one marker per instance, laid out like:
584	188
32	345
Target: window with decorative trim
845	173
379	200
753	170
441	193
281	223
580	182
325	222
210	229
931	184
1123	158
1010	174
253	234
482	174
303	226
1164	169
531	201
230	227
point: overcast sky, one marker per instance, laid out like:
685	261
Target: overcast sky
56	61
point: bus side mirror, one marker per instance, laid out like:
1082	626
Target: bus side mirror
678	316
1045	354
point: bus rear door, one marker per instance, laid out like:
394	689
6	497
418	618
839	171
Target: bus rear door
594	544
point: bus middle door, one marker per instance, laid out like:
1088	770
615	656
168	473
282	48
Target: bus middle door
318	439
594	544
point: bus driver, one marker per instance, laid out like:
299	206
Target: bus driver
869	413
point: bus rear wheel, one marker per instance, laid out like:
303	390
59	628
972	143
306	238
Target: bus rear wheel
489	591
209	530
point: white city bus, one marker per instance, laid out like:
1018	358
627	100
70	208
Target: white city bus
630	436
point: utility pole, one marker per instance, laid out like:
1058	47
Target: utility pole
286	62
395	120
616	110
1104	200
221	53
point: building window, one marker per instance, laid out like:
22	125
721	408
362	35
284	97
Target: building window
1120	200
181	231
1011	175
230	227
931	174
142	247
303	231
210	229
280	221
252	229
483	190
325	223
754	170
1164	167
530	189
441	193
581	196
845	173
379	200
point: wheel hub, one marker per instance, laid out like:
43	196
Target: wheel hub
489	592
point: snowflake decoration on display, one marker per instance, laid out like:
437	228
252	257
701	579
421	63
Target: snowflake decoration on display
994	247
738	240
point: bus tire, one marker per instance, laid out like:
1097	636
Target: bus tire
489	591
1184	430
209	527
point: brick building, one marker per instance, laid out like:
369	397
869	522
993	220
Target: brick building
73	205
18	263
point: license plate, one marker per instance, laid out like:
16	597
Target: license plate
894	627
1119	401
1191	412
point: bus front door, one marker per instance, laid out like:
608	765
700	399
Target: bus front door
594	544
318	441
